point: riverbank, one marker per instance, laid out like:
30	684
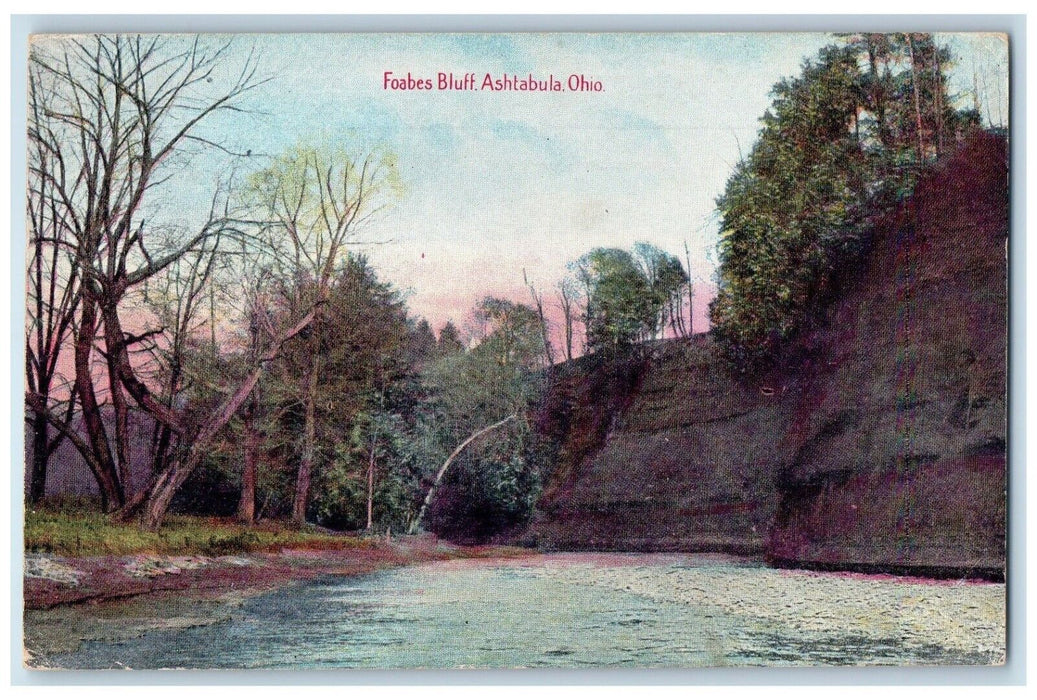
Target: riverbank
69	600
52	580
74	554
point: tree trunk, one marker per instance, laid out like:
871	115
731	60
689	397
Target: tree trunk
567	316
106	475
691	293
538	302
302	482
162	436
691	310
40	457
161	451
112	340
141	393
370	487
442	470
247	504
918	105
681	324
249	472
877	90
168	483
938	100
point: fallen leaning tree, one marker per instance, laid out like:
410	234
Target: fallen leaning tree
446	465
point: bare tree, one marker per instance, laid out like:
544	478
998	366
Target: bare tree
582	284
538	304
257	313
314	203
178	297
119	109
691	293
909	39
567	301
53	284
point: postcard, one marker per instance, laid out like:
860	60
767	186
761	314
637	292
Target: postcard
578	350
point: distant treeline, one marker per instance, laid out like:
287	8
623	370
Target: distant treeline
840	144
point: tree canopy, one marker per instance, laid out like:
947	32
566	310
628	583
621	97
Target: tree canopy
629	297
843	139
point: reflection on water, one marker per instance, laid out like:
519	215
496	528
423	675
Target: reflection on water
560	610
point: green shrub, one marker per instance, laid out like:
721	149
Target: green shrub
232	544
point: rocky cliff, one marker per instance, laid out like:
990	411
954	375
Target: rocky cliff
879	442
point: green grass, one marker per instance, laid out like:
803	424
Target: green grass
77	531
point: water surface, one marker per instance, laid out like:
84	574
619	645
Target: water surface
576	610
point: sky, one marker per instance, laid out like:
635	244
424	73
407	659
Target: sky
494	183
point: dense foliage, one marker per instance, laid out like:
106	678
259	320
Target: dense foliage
841	141
496	481
369	354
392	402
629	297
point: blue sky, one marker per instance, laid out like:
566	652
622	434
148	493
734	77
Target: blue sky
494	182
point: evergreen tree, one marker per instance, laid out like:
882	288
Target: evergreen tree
449	341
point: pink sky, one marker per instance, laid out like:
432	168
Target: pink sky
486	275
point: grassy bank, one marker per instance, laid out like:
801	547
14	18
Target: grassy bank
80	532
78	556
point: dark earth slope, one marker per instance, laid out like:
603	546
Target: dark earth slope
688	465
900	431
881	446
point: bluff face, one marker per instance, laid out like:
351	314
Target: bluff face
878	442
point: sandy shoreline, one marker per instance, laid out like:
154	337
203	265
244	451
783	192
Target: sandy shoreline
69	600
969	615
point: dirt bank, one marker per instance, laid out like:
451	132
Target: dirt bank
55	580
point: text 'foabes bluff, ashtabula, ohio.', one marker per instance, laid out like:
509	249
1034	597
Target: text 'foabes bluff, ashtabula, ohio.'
504	82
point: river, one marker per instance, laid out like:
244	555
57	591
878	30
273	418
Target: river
581	610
